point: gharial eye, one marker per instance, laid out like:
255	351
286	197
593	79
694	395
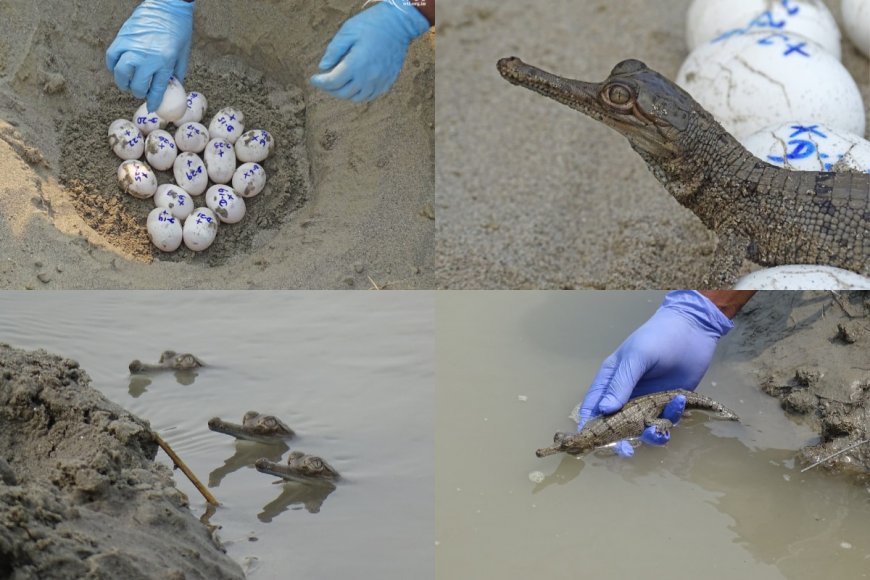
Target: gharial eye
618	95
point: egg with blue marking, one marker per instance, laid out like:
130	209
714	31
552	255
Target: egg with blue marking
191	137
174	103
190	173
228	123
220	160
196	107
200	229
126	140
225	203
174	199
160	150
254	145
137	178
164	229
147	122
249	179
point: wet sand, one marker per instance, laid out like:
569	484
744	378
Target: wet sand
350	194
80	494
531	194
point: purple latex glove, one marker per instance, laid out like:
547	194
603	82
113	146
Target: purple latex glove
152	45
671	350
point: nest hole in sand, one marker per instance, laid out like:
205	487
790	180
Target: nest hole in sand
88	167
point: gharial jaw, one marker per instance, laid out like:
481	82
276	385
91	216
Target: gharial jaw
571	443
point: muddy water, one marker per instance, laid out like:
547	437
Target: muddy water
353	375
722	500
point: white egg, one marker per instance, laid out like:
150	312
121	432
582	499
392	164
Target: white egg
117	123
174	199
196	106
137	179
228	124
760	79
200	229
856	20
709	20
160	150
220	160
191	137
249	179
164	229
190	173
803	277
254	145
126	140
807	146
147	122
174	103
226	203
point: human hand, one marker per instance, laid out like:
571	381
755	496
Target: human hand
365	57
671	350
152	45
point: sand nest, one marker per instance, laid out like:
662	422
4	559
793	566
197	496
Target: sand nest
80	494
350	192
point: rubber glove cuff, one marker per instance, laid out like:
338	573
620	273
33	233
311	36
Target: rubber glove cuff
699	311
412	21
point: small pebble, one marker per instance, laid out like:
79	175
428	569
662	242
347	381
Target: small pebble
536	477
43	277
359	268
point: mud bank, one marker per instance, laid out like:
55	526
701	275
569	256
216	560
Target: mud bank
80	494
350	195
810	350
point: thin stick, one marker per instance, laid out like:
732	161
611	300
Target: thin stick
820	461
180	464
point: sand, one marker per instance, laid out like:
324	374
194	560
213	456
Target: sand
350	195
809	349
80	494
531	194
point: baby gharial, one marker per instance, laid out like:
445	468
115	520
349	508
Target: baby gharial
169	361
300	467
255	427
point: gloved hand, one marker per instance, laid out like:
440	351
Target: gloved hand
671	350
152	45
367	53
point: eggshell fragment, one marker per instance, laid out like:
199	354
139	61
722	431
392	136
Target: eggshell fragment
220	160
759	79
225	203
803	277
190	173
160	150
191	137
708	20
249	179
195	109
137	179
174	103
164	229
174	199
254	145
808	146
126	139
227	124
147	122
200	229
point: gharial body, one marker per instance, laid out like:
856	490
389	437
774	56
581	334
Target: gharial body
169	360
771	215
630	421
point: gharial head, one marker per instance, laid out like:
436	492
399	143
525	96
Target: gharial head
647	108
571	443
266	424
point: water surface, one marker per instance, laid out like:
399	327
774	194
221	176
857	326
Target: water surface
722	500
351	373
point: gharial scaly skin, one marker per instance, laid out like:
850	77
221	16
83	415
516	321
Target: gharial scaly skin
630	421
771	215
169	361
254	427
300	467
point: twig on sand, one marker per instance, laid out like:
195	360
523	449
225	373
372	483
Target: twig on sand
180	464
841	451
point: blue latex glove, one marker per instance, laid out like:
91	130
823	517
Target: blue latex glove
365	57
152	45
671	350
